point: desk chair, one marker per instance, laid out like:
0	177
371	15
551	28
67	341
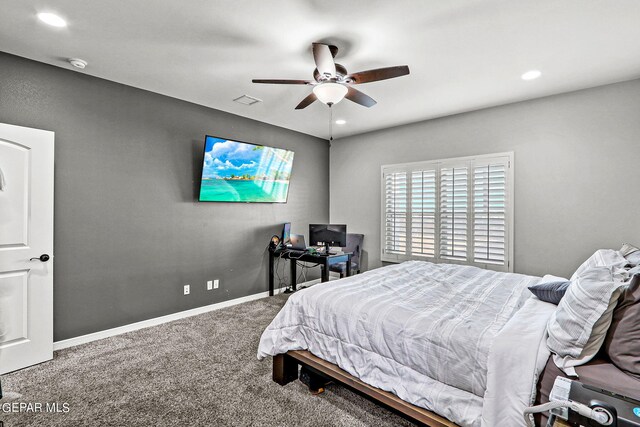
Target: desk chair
354	245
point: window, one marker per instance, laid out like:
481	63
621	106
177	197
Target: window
454	211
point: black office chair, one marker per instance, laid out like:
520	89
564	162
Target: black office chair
354	244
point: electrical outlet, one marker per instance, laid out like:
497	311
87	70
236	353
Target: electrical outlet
187	289
209	285
216	284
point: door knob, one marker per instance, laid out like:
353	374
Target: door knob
43	258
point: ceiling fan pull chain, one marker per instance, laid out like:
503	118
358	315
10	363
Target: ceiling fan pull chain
3	182
330	125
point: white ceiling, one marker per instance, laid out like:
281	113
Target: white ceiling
463	54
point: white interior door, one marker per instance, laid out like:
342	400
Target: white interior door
26	234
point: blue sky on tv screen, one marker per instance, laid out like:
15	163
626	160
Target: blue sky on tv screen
231	159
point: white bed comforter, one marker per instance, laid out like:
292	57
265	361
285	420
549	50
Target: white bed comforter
464	342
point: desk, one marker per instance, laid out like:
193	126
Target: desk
324	260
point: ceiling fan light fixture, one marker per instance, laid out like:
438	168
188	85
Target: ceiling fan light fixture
330	93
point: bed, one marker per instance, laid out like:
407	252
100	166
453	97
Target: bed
465	343
445	330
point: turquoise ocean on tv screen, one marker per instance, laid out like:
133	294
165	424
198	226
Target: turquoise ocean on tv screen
238	172
242	191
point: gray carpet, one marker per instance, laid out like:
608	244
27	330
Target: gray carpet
199	371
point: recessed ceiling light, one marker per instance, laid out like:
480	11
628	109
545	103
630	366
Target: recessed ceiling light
52	19
341	121
531	75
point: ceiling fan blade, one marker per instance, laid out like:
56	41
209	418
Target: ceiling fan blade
307	101
282	82
378	74
360	98
324	60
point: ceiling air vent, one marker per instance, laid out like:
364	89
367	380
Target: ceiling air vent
247	100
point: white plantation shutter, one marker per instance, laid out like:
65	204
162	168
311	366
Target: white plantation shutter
395	214
423	213
490	213
455	211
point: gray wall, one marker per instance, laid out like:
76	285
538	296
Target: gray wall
576	171
129	232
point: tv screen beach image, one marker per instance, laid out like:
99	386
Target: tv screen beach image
239	172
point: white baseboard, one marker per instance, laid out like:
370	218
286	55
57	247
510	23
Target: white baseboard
83	339
300	285
309	283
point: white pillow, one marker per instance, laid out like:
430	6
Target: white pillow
631	254
549	278
579	325
601	258
628	249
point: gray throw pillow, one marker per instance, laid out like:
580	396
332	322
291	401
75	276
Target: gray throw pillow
550	291
623	339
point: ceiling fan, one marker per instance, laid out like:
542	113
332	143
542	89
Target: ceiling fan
332	82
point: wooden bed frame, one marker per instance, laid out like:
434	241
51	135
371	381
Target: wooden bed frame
285	370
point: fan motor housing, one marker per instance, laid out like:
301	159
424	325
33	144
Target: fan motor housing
341	73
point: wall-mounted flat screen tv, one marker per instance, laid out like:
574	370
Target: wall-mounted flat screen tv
234	171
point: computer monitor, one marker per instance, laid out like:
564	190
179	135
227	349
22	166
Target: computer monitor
286	234
328	235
